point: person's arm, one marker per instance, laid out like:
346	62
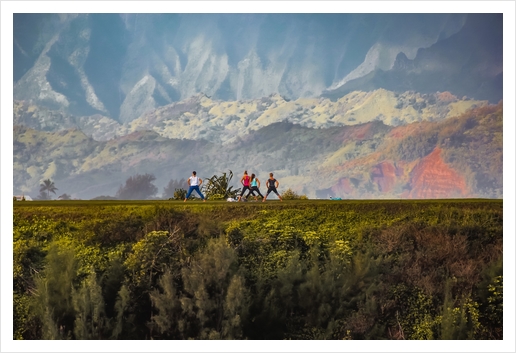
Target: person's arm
267	184
189	181
277	183
258	182
200	181
242	181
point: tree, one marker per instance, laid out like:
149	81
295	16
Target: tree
215	297
173	185
54	285
42	196
47	186
138	187
65	197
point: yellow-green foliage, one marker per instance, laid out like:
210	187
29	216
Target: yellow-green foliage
301	269
149	255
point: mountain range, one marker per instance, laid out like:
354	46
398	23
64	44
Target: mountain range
123	65
346	105
455	156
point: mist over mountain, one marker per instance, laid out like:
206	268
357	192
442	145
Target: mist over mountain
468	63
123	65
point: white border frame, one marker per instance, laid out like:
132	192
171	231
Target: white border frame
10	7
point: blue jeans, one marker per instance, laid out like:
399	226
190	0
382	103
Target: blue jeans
192	188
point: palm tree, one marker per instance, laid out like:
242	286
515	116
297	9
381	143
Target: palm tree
48	186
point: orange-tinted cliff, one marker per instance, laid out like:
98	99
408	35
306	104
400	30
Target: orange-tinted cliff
432	178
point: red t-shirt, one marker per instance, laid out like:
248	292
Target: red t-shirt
247	178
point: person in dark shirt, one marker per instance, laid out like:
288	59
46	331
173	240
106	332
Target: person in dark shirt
272	185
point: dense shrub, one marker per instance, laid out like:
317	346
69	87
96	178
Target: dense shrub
179	194
290	194
291	270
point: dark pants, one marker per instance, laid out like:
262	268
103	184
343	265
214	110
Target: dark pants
244	189
272	189
253	189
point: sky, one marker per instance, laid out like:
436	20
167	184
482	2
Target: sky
6	175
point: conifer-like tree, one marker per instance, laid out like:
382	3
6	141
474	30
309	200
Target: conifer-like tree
90	319
54	286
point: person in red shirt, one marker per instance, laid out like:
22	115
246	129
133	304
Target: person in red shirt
246	183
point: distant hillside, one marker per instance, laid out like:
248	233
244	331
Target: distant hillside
454	157
201	117
457	157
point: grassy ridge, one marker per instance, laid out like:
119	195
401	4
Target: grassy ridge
90	203
303	269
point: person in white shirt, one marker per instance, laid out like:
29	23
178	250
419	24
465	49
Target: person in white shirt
194	182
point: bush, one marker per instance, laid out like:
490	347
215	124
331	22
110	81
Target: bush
104	197
179	194
292	195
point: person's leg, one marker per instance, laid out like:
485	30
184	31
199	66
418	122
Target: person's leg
267	194
196	188
274	190
258	192
277	194
251	192
253	189
241	193
190	189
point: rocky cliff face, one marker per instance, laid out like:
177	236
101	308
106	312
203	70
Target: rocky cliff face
432	178
423	160
123	66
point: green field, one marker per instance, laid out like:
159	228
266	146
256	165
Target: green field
300	269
